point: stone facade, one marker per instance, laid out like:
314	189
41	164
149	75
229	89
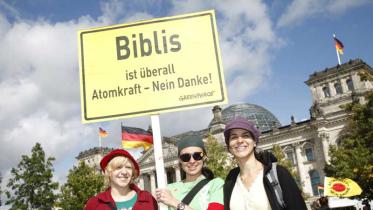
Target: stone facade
93	156
304	143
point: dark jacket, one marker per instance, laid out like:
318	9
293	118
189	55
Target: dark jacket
291	194
324	208
104	201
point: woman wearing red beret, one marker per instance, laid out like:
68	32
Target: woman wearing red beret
120	169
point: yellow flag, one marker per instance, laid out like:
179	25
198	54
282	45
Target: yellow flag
341	187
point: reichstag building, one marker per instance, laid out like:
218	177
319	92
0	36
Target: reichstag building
304	143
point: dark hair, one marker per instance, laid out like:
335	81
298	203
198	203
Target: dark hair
323	201
207	173
315	205
268	156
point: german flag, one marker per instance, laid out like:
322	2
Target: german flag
102	133
135	138
338	45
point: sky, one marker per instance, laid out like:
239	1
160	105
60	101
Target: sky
269	48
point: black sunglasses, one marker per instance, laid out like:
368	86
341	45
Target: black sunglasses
187	156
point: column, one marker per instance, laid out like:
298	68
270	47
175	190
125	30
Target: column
141	182
319	92
356	81
298	153
177	173
314	93
325	145
344	85
152	182
332	90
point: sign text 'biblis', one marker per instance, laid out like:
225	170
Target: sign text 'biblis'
147	45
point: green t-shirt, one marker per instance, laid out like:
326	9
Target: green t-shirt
210	193
126	205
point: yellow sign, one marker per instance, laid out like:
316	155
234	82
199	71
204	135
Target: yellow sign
341	187
150	67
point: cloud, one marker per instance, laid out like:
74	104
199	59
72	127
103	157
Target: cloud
39	87
58	138
300	10
118	12
246	40
55	137
16	99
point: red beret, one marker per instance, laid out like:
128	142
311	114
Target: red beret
119	152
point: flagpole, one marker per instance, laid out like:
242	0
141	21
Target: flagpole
158	155
325	185
339	59
121	131
336	50
99	140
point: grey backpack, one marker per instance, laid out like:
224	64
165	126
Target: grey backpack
273	180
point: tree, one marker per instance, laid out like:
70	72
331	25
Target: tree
353	157
218	159
283	161
31	182
82	183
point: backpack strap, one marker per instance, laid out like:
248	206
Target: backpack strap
189	197
273	180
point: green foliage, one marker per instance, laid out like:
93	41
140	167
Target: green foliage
283	161
218	159
31	182
353	157
365	76
82	183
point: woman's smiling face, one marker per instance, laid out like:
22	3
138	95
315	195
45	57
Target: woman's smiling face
241	143
122	175
192	167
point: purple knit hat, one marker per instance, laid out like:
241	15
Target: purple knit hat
243	124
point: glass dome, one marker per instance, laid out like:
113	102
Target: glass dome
263	118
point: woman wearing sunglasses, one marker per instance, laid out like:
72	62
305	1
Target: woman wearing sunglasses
192	155
247	186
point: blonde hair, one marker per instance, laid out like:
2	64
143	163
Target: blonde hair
115	163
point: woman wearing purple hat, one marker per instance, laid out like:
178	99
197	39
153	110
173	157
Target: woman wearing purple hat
120	169
247	186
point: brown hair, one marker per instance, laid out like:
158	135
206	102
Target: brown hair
323	201
315	205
